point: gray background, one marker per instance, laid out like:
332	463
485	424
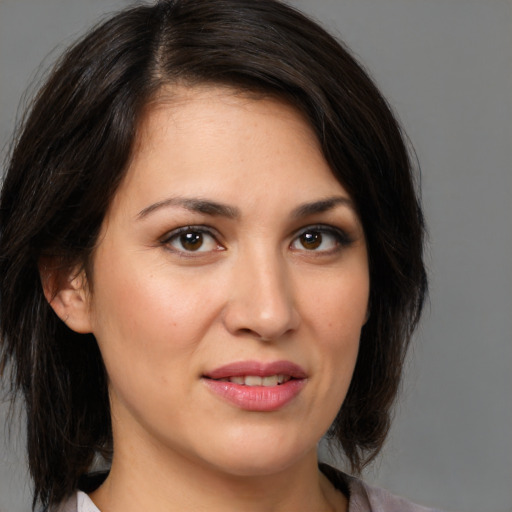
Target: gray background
446	66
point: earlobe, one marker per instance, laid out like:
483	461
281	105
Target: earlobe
66	292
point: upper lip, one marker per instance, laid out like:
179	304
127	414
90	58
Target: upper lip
243	368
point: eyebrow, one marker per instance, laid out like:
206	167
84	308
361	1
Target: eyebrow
324	205
199	205
213	208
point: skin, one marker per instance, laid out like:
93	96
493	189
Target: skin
255	288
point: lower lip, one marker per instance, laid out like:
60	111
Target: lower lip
257	398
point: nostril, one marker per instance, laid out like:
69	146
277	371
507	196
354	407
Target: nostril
264	313
251	332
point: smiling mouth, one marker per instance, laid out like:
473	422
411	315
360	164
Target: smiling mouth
257	387
257	374
255	380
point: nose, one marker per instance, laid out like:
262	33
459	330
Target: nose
261	301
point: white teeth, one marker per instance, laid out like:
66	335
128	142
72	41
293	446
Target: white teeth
272	380
254	380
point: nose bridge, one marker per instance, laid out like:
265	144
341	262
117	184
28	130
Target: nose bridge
262	299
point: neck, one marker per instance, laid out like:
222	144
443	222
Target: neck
161	483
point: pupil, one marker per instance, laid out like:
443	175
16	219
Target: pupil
192	241
311	240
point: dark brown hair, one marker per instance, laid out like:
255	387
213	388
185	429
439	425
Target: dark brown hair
72	151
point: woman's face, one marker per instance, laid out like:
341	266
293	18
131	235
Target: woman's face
230	287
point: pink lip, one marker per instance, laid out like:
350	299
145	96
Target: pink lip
241	368
257	398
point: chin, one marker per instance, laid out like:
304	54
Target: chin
262	456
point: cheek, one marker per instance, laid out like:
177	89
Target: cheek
147	317
338	304
336	314
137	297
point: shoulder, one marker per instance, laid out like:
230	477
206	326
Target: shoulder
78	502
364	497
367	498
69	505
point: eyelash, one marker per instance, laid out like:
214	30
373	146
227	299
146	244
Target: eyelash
341	239
202	230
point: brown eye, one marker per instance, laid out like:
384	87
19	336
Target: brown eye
191	241
311	240
320	239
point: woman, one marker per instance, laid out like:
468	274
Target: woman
211	256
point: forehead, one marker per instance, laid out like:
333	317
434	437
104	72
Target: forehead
220	141
197	108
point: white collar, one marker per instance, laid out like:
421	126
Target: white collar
84	503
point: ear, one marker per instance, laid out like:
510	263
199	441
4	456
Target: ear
67	293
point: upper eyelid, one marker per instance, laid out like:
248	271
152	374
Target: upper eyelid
191	227
167	241
209	230
320	227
